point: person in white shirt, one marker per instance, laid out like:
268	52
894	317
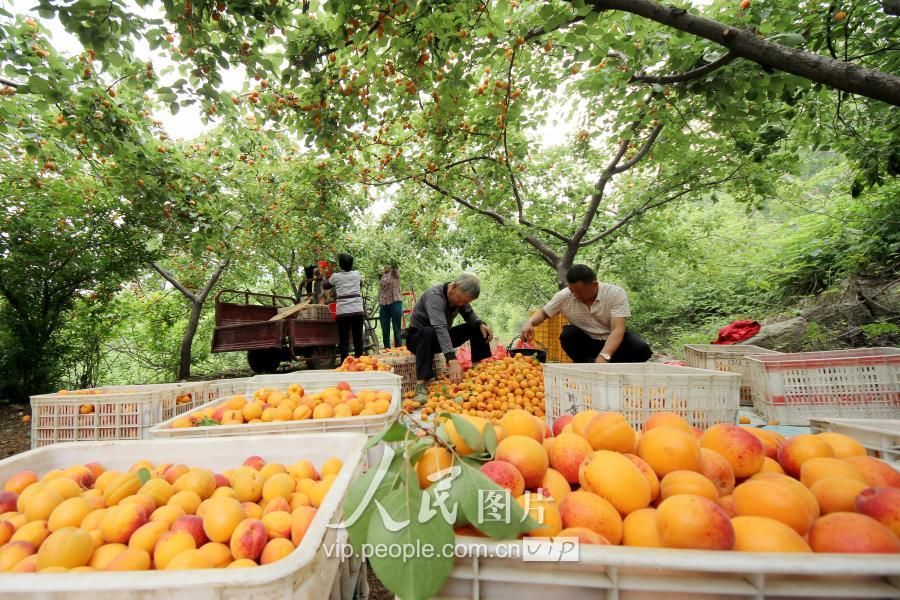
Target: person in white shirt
597	314
349	312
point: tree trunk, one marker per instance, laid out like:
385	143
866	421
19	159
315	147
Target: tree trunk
197	301
562	267
184	366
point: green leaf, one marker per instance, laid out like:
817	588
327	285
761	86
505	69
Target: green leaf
490	439
469	432
475	490
38	85
393	432
359	493
415	449
791	40
420	576
144	475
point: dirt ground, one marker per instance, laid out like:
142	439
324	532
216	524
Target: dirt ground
376	590
15	436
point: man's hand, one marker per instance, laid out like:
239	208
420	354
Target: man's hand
527	333
601	360
456	372
486	332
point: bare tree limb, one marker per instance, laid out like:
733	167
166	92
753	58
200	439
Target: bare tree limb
212	280
539	31
649	205
828	41
424	173
545	250
174	281
506	155
641	153
891	7
612	168
845	76
720	62
513	182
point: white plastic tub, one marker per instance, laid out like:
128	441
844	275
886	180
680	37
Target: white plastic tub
312	381
717	357
650	574
222	388
637	391
307	573
881	437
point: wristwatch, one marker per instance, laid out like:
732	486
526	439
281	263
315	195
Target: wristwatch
606	356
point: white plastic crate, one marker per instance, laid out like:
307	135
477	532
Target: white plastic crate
110	413
717	357
881	437
623	573
312	381
306	573
222	388
860	383
639	390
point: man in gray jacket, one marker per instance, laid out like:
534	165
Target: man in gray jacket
430	329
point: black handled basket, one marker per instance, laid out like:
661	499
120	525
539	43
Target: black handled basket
540	354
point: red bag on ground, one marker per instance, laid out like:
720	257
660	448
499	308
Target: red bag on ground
737	331
464	356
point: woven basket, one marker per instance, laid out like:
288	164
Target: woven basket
404	366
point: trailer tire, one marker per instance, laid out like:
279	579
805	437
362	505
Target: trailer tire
263	361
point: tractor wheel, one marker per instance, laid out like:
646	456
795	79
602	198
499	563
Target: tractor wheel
263	361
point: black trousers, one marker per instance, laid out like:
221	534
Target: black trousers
346	325
424	343
582	348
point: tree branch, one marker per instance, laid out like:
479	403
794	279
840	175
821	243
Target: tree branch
612	168
456	163
848	77
539	31
506	161
649	206
546	251
520	206
10	83
171	279
201	298
641	153
828	41
720	62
